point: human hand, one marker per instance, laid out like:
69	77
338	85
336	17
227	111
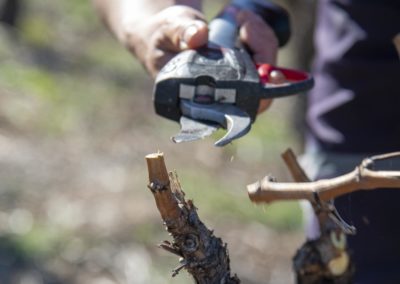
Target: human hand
174	29
260	39
156	40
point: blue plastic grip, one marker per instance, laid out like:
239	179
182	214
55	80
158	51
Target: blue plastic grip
223	30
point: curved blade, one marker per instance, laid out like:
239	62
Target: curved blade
236	121
193	130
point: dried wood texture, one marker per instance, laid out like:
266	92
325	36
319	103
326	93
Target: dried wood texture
161	189
202	254
294	167
326	259
361	178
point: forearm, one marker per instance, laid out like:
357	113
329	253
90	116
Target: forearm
120	14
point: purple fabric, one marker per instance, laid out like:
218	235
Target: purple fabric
355	105
355	109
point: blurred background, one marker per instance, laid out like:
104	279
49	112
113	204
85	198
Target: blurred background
76	121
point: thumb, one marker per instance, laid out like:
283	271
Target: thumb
184	33
194	34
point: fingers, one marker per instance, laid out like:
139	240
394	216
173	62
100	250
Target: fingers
258	37
264	105
183	28
172	38
194	35
262	42
155	41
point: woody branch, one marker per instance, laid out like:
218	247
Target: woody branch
361	178
201	253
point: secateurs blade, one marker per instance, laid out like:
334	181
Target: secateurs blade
218	85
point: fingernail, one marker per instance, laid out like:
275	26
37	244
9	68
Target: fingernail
277	77
188	33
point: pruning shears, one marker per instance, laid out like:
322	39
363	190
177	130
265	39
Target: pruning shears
219	85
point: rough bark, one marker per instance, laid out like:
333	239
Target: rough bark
202	254
325	260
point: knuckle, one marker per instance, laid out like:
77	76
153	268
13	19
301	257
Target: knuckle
154	60
166	37
177	12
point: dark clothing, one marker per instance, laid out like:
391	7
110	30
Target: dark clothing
355	105
355	109
9	11
375	249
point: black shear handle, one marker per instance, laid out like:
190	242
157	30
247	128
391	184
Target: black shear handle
224	28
